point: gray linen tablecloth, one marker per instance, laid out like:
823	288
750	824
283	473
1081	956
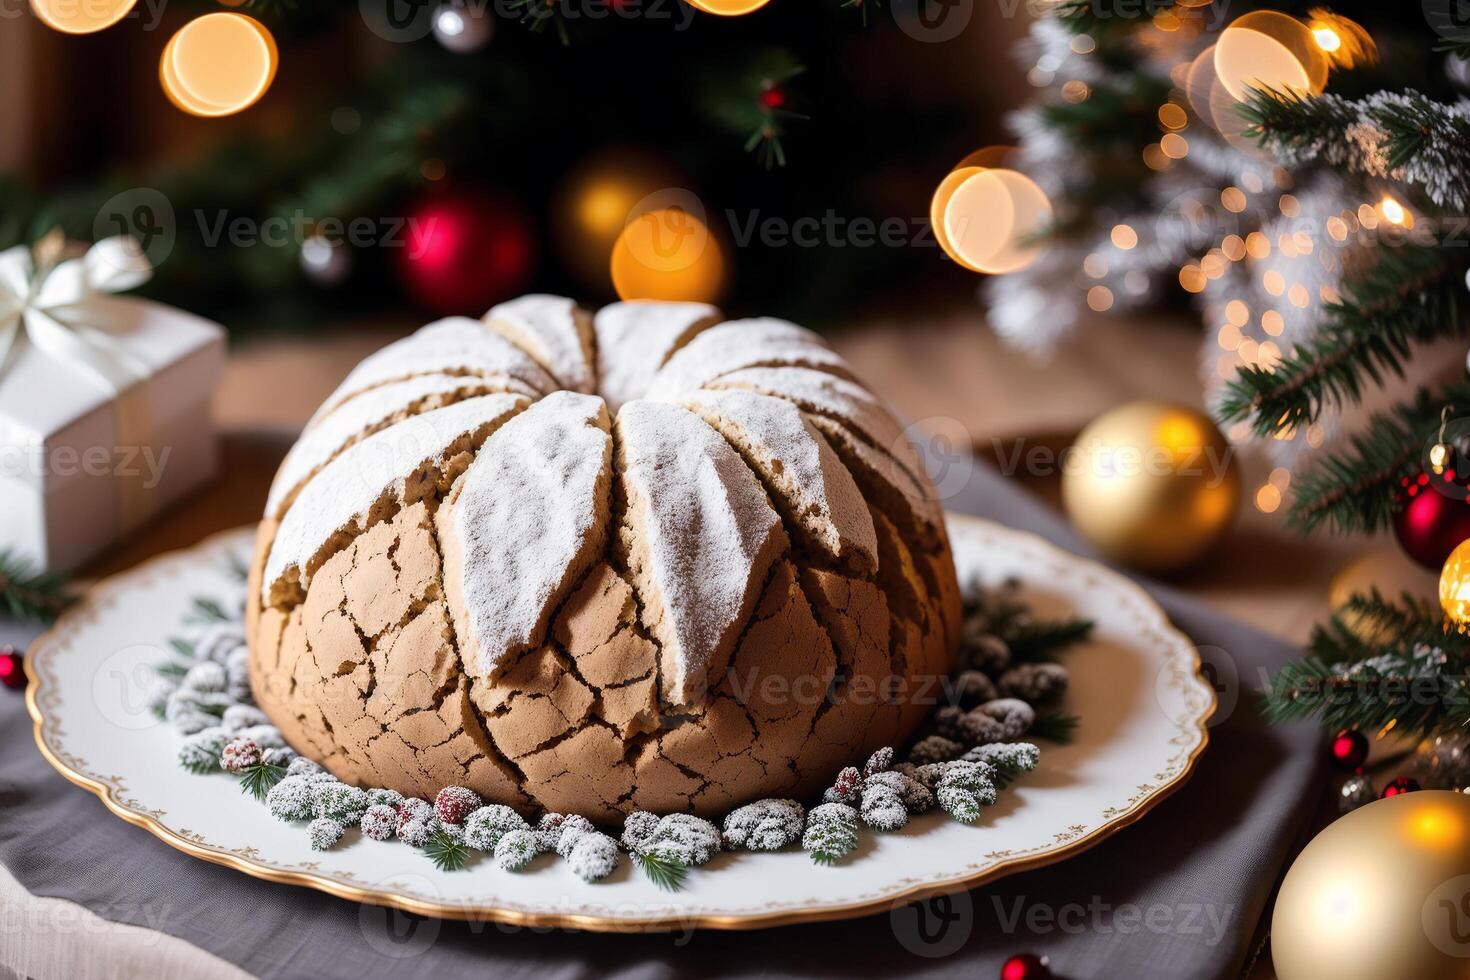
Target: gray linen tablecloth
1179	894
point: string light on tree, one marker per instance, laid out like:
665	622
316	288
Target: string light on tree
218	64
74	17
325	262
461	28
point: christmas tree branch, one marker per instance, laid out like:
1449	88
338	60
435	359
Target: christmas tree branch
28	594
1403	136
1378	664
1355	488
1412	295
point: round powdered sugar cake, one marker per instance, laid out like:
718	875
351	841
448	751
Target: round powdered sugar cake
592	564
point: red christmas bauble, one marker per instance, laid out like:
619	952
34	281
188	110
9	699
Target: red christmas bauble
1433	517
12	669
464	251
1025	966
772	98
1399	786
1349	749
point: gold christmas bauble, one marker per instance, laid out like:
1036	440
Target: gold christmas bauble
1454	586
1152	486
1381	894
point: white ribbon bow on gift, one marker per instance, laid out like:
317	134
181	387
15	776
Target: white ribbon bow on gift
49	300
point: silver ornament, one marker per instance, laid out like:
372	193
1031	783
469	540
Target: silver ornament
324	262
1443	761
461	29
1356	792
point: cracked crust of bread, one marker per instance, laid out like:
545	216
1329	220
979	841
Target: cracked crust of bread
364	677
363	664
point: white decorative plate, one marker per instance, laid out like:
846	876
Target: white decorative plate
1135	686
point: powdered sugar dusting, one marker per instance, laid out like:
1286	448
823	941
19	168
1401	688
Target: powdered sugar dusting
341	496
529	517
553	331
820	393
320	442
739	344
702	535
800	469
457	345
917	495
635	339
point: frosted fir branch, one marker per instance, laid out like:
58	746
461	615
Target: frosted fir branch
1406	137
28	594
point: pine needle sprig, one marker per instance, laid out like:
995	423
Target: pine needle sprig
667	874
735	101
260	779
1355	488
207	611
540	13
1412	295
862	6
199	765
448	853
26	593
1055	727
1045	640
1403	136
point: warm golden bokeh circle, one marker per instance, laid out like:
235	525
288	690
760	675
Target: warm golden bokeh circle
667	254
990	219
218	64
81	16
728	8
1268	49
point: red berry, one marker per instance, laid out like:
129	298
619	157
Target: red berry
1349	749
1400	786
412	808
454	803
12	669
1025	966
772	98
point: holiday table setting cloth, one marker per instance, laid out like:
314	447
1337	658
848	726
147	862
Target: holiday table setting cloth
1179	894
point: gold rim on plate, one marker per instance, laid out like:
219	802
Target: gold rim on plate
134	813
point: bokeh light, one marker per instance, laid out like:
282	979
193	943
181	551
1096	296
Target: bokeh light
81	16
667	254
1268	49
218	64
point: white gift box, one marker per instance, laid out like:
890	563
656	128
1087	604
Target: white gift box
84	460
